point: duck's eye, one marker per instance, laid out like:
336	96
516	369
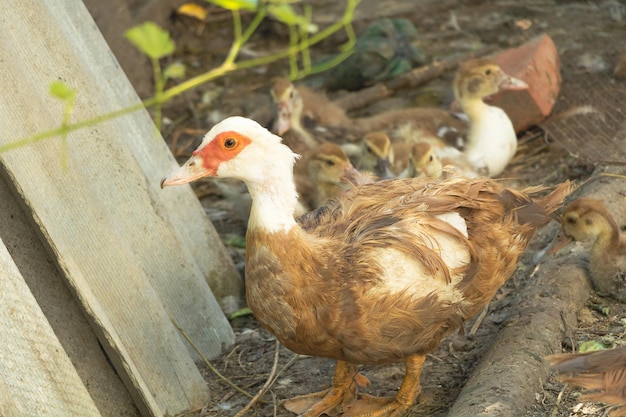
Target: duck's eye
368	149
230	143
588	222
570	220
330	162
291	94
431	159
488	71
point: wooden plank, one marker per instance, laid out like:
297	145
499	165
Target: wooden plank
123	245
61	309
36	376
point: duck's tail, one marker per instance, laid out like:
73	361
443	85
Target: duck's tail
543	209
603	371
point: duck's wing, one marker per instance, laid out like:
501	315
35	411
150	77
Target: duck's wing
603	371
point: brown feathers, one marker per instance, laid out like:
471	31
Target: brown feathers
602	372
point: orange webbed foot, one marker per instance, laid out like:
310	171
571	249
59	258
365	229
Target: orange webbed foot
333	401
343	399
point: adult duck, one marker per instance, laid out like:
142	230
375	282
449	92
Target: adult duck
379	275
300	110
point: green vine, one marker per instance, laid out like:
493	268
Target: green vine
156	45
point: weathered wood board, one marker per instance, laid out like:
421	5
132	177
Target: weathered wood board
133	255
62	310
36	376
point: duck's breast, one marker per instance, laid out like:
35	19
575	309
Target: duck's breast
492	140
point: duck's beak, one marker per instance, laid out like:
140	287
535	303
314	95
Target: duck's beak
512	83
190	171
283	123
560	242
383	168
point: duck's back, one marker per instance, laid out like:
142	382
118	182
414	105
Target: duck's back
608	270
485	216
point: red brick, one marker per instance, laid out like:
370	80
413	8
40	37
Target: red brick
537	63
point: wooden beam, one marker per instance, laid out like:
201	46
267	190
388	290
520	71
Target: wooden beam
36	376
62	311
133	255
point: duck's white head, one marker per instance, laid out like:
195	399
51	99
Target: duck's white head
239	148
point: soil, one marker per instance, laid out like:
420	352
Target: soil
447	29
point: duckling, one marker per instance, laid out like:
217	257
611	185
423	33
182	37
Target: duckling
372	154
301	110
491	139
327	166
587	219
380	274
424	160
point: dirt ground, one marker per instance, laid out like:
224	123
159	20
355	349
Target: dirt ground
594	31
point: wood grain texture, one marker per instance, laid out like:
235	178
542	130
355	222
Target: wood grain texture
36	376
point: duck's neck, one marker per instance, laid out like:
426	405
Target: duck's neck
303	134
274	201
474	108
608	239
326	191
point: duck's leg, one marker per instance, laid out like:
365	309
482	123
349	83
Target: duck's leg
369	406
331	401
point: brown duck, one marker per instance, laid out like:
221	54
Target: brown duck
380	274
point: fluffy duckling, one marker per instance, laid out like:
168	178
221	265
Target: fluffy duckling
300	109
379	275
372	154
327	166
587	219
603	372
424	160
491	139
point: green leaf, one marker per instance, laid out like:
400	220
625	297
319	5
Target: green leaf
61	90
240	313
237	242
175	70
151	40
591	346
283	12
236	4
